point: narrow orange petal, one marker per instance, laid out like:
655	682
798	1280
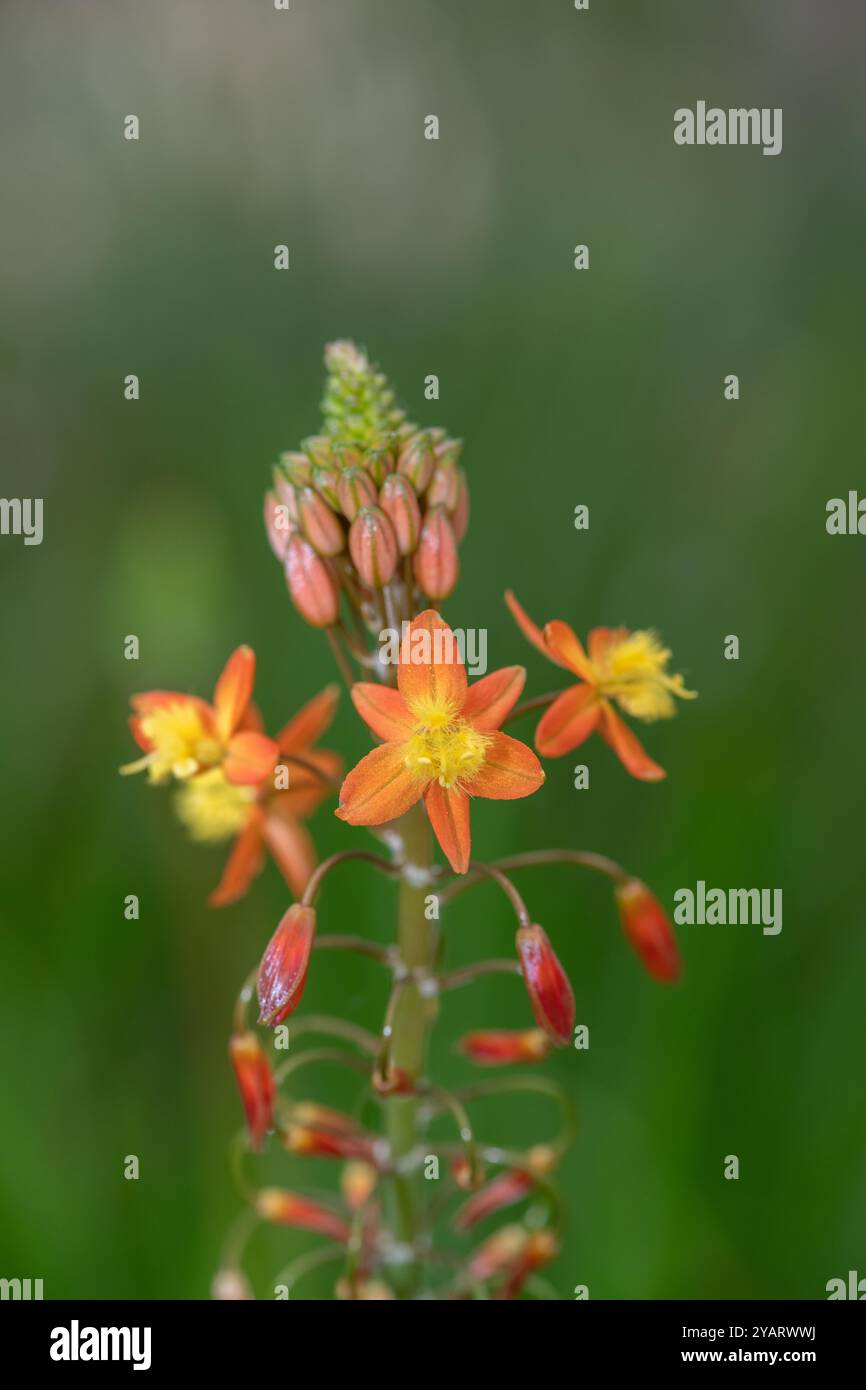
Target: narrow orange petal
250	759
531	631
233	690
569	721
379	788
628	747
448	809
244	862
292	850
565	647
510	770
422	680
383	710
310	722
493	697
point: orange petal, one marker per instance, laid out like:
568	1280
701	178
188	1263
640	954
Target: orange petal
233	690
565	647
510	770
305	790
379	788
252	720
250	759
628	747
292	849
448	809
310	722
493	697
383	710
244	862
600	638
571	719
529	629
422	679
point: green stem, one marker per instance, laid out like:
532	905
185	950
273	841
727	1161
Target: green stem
413	1017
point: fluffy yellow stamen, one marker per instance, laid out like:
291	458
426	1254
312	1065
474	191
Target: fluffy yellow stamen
182	744
212	808
633	672
442	747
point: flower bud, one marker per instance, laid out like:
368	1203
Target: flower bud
288	1209
506	1047
435	563
231	1286
355	489
309	1112
417	462
287	494
296	467
311	583
325	479
460	518
467	1176
448	451
319	524
373	547
399	503
256	1082
357	1181
319	450
308	1142
547	984
444	488
349	456
498	1252
393	1082
648	929
379	463
503	1191
283	970
278	527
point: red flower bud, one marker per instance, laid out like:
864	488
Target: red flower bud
319	524
435	563
312	583
308	1142
373	547
283	971
505	1047
399	503
648	929
277	525
547	984
417	461
256	1082
355	489
288	1209
505	1189
460	519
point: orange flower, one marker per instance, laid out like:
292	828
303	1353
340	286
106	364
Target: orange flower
629	668
441	741
266	817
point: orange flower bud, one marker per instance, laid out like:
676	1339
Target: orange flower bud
355	489
460	519
256	1082
287	495
547	984
319	524
466	1177
648	928
319	449
501	1250
288	1209
373	547
325	479
504	1190
506	1047
399	503
435	563
309	1142
417	461
444	488
296	467
311	583
283	970
278	528
379	463
357	1181
309	1112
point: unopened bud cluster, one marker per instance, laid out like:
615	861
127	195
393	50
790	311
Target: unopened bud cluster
372	510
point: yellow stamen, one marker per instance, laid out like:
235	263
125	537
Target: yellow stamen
182	743
443	747
633	672
212	808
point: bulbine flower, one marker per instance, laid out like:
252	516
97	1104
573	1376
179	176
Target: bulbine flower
547	984
648	928
182	736
283	970
288	1209
441	741
256	1083
621	667
506	1047
502	1191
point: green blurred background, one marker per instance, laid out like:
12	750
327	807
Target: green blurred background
602	387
